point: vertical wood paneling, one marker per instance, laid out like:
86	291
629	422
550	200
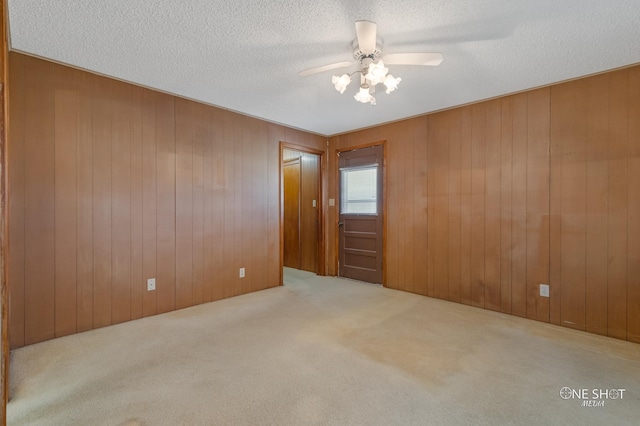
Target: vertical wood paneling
465	204
149	199
260	187
259	213
633	274
538	203
184	202
251	262
440	197
393	168
478	188
230	194
555	224
572	101
454	215
438	178
102	243
238	204
65	134
420	206
218	244
618	204
238	173
200	133
493	129
252	247
121	204
506	157
519	206
84	206
275	135
597	184
244	156
207	206
138	280
165	204
39	203
406	209
16	159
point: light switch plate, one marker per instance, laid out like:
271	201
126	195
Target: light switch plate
241	272
332	201
151	284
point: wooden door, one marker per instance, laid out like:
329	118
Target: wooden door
309	209
360	219
291	177
301	176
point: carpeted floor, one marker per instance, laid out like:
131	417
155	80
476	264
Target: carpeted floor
326	351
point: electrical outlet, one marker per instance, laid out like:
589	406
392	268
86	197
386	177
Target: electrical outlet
151	284
241	272
544	290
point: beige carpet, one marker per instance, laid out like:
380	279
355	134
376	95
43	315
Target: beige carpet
325	351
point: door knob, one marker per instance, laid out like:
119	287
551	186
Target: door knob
340	224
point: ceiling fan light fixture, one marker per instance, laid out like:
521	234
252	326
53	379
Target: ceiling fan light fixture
391	83
341	83
376	72
367	52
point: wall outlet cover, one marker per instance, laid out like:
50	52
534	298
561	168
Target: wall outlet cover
151	284
544	290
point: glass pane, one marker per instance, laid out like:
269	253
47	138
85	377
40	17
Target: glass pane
359	191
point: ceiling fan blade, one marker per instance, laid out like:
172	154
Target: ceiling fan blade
432	59
366	32
324	68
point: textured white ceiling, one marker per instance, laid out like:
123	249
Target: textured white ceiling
245	55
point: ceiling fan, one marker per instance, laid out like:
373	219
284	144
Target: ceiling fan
367	51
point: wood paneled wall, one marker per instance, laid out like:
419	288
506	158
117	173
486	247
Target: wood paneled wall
111	184
595	166
486	202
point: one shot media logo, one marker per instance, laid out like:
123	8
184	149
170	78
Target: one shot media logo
592	397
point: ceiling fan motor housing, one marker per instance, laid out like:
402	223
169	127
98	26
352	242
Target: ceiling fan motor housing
360	55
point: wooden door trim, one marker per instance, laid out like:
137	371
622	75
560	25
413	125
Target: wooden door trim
4	216
321	205
382	143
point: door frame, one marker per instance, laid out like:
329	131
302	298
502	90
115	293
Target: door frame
4	210
320	207
382	143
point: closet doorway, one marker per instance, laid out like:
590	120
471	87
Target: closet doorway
301	208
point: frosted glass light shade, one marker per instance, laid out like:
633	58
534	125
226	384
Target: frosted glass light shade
341	82
376	73
363	95
391	82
